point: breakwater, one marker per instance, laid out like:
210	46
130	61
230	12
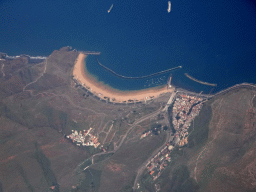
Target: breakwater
90	52
198	81
141	77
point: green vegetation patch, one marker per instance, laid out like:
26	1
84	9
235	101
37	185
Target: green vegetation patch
164	179
25	178
176	152
72	126
26	74
207	174
9	114
198	133
29	119
45	164
2	108
181	181
146	182
254	102
110	147
7	138
48	112
56	119
127	188
91	181
63	119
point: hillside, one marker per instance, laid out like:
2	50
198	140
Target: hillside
40	105
227	160
221	150
56	136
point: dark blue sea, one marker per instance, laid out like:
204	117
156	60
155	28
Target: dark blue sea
214	41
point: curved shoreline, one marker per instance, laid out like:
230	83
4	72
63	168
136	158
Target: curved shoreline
142	77
105	92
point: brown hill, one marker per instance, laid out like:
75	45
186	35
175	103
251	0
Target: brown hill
221	152
227	162
34	156
39	103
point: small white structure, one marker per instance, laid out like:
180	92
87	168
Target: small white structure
170	147
169	7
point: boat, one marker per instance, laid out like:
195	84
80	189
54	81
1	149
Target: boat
110	8
169	7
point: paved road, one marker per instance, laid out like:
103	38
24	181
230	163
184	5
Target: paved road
138	122
133	126
143	166
170	101
168	139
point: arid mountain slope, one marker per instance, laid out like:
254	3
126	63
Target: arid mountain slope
221	153
40	105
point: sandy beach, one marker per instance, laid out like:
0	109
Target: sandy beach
104	91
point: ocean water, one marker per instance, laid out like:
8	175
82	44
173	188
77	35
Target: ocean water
214	41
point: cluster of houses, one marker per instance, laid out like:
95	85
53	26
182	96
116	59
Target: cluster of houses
84	138
157	164
185	109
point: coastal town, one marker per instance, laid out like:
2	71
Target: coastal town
82	140
184	110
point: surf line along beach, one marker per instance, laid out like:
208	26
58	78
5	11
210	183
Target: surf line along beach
106	92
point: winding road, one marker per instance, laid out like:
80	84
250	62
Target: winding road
129	130
143	166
